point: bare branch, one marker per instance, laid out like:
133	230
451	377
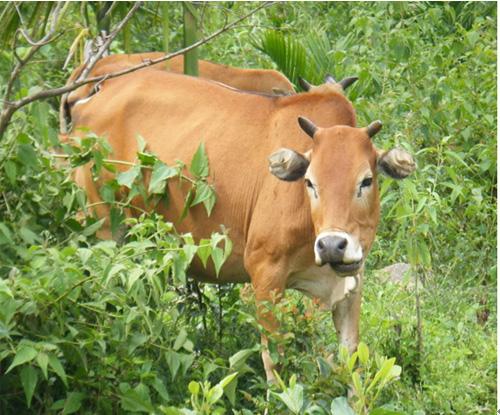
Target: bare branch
107	42
11	107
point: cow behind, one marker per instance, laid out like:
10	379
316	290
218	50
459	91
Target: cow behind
257	80
311	230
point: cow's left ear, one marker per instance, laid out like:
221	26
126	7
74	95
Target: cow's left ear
396	163
287	164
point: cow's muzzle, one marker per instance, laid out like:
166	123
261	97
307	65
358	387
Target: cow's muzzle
340	250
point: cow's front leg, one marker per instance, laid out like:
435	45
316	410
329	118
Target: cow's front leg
346	318
265	297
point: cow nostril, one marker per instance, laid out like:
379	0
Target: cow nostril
342	244
321	245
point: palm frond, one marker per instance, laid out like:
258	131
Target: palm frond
287	53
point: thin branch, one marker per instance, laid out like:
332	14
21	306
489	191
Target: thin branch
11	107
105	46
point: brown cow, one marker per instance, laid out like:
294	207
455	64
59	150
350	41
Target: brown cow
311	230
257	80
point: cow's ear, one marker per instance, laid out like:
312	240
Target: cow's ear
396	163
287	164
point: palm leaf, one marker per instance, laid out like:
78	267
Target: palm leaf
287	53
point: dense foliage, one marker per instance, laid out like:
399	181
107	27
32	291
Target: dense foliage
115	327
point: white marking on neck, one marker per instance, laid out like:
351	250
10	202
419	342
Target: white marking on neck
322	283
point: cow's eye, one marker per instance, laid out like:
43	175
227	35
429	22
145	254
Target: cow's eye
366	182
309	184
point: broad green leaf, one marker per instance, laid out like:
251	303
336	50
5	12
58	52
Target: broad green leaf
237	360
218	259
159	386
228	379
10	168
215	394
204	251
132	400
340	406
128	177
57	367
29	379
116	217
23	355
363	353
27	155
5	289
203	192
180	340
161	172
29	236
5	234
73	402
91	229
43	360
293	398
356	382
199	162
173	362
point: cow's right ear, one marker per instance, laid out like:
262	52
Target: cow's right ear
396	163
287	164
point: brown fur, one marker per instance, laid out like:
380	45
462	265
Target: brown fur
257	80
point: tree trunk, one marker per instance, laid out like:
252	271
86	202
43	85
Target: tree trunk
190	37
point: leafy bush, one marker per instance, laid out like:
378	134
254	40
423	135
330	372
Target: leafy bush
89	326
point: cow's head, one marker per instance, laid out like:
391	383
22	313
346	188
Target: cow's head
340	175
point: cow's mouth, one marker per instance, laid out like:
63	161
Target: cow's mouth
345	270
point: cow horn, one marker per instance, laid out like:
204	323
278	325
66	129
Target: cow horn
329	79
374	128
346	82
306	86
308	126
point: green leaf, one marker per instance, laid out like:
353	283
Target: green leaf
187	203
173	362
29	236
199	162
10	168
134	400
159	386
27	155
228	379
57	367
292	397
73	402
180	340
29	379
128	177
203	192
116	217
23	355
43	360
356	382
204	251
340	406
237	360
161	172
91	229
5	235
215	394
363	353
